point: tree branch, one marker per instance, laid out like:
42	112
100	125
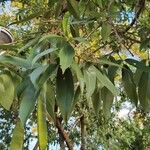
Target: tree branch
63	134
141	5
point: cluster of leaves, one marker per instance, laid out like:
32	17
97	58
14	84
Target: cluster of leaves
46	71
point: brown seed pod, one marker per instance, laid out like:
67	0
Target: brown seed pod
5	36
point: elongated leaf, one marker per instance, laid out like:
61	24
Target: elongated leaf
41	117
15	61
79	75
90	81
50	70
96	100
28	100
29	44
110	63
18	137
137	76
76	97
144	91
55	40
103	79
64	92
22	86
73	8
65	23
106	31
10	46
7	91
50	99
107	98
129	85
35	75
28	18
138	64
66	55
39	56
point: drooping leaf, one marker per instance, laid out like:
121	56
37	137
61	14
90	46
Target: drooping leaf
96	101
50	99
27	18
18	137
129	85
66	55
138	64
73	8
35	75
50	70
7	91
144	91
79	75
137	76
103	79
64	92
41	118
90	81
39	56
55	40
10	46
28	100
15	61
29	44
105	31
107	98
145	44
76	97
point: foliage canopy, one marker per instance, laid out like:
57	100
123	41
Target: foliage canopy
76	60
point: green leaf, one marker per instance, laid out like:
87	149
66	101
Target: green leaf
19	62
10	46
96	101
138	64
7	91
47	74
129	85
105	31
144	91
103	79
73	8
55	40
79	75
145	44
28	100
90	81
65	92
76	97
66	55
29	44
18	137
36	73
41	118
103	61
50	99
28	18
107	98
65	23
39	56
137	76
